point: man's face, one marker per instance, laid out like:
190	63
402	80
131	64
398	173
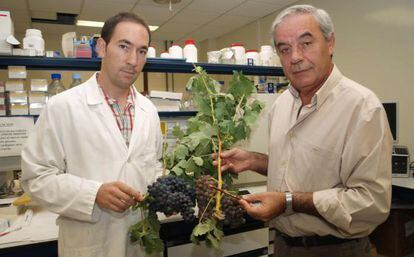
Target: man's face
303	51
124	56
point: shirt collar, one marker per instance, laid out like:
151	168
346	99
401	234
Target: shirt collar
110	100
323	92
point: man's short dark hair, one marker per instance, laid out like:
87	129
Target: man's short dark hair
110	24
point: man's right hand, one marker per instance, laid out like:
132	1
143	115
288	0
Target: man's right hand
234	160
117	196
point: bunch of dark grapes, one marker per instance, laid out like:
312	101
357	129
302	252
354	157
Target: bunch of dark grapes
171	195
233	212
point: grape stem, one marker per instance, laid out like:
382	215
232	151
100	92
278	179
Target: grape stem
205	209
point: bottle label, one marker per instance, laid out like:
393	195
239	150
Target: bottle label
270	88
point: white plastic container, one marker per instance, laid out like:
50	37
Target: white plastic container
151	53
190	51
213	57
239	53
266	55
165	55
34	40
252	57
175	51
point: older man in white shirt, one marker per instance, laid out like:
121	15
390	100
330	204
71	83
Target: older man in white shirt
329	162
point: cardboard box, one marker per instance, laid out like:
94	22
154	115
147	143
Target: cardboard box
36	108
38	85
38	97
14	85
19	109
17	72
18	97
395	237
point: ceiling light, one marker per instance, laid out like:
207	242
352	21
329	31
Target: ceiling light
167	1
153	28
98	24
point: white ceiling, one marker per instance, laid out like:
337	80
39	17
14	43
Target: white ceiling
200	19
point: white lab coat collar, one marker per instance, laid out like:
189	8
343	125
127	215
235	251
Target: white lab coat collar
142	108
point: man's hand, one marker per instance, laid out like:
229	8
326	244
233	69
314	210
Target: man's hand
234	160
264	206
117	196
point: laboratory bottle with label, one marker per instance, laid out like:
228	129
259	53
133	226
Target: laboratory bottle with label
76	80
56	86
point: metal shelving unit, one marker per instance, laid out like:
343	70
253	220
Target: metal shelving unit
152	65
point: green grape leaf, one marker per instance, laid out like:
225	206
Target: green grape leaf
213	240
180	152
198	160
240	131
190	82
177	170
202	229
194	239
240	86
177	132
220	110
250	117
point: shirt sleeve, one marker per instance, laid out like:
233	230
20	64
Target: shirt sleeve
363	200
44	177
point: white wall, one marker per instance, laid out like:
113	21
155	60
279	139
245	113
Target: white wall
374	46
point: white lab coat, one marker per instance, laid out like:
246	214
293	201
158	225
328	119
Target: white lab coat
75	147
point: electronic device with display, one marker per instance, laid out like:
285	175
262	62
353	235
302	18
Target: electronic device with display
400	154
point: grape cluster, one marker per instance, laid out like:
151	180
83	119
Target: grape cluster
170	195
234	213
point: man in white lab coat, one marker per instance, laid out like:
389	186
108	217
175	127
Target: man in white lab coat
95	148
329	161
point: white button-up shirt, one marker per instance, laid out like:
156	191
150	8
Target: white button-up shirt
338	147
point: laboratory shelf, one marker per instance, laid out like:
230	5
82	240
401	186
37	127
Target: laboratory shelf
152	65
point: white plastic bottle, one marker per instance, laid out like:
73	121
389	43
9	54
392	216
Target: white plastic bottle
165	55
33	40
252	57
151	53
56	86
239	53
266	55
190	51
175	51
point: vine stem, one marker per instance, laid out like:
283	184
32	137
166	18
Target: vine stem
220	181
238	107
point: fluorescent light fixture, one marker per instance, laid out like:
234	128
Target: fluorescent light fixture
99	24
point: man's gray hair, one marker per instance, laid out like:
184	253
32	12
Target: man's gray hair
321	17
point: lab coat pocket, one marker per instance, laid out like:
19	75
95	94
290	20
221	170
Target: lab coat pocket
312	167
78	238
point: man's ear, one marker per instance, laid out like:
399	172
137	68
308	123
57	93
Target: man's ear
331	43
101	47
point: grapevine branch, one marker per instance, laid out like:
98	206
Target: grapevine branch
218	212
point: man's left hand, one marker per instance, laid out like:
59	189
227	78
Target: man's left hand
264	206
